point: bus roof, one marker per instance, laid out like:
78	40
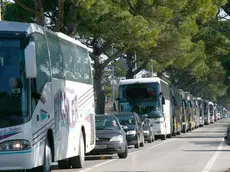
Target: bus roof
70	39
141	80
28	28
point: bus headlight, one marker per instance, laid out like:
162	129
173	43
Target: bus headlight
15	145
118	138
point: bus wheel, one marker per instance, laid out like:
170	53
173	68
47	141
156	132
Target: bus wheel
163	137
169	136
47	158
78	161
64	164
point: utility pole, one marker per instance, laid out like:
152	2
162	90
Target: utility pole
113	73
1	10
135	66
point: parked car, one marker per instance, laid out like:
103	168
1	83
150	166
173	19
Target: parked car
148	131
227	137
110	137
133	127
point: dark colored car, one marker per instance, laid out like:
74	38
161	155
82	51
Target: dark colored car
110	137
148	131
133	127
227	137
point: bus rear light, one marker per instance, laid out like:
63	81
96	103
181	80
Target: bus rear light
15	145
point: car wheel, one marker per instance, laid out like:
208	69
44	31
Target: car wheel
142	144
153	138
124	154
137	145
150	139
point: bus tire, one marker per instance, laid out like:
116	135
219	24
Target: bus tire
169	135
163	137
78	161
64	164
47	158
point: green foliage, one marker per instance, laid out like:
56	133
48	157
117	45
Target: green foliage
183	37
13	12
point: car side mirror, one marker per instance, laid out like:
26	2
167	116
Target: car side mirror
30	60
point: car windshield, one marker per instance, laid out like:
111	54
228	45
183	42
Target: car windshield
13	106
106	123
126	119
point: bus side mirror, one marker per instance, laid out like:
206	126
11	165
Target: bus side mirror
30	60
163	100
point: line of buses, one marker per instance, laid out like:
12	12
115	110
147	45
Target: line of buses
47	100
171	110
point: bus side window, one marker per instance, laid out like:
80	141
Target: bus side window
84	65
56	56
43	66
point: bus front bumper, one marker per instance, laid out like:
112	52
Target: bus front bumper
15	160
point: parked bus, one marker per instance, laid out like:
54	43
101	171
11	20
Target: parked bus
206	113
211	111
197	113
216	114
177	111
185	112
148	96
201	111
191	110
46	99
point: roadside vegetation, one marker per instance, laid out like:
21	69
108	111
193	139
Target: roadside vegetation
188	40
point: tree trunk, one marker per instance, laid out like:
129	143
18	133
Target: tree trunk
131	64
60	18
39	16
130	74
99	92
72	27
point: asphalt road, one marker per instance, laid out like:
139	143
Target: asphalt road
202	150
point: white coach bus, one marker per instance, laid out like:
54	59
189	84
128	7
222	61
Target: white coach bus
46	99
151	97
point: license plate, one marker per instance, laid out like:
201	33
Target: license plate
101	146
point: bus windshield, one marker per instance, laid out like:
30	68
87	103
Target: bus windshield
211	110
12	88
134	92
140	98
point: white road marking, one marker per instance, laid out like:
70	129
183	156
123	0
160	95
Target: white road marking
211	162
142	150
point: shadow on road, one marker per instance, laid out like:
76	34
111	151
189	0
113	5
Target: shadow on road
210	131
188	137
209	143
210	150
99	157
